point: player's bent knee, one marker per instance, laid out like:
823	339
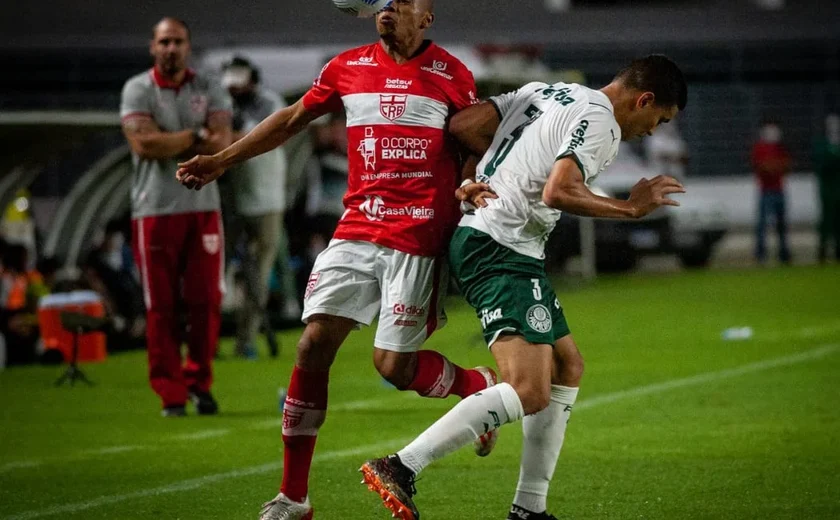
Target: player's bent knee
397	368
533	398
320	342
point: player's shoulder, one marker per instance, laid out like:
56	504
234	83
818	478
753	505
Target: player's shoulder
596	101
445	61
138	82
363	54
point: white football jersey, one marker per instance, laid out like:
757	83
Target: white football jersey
540	124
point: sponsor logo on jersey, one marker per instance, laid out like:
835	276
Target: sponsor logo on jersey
405	323
408	310
198	104
578	135
392	106
211	243
539	318
310	284
372	207
367	148
488	316
438	68
362	61
401	84
408	148
375	210
396	175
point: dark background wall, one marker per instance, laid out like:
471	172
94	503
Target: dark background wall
115	24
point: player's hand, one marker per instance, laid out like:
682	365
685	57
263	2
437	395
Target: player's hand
647	195
199	171
476	193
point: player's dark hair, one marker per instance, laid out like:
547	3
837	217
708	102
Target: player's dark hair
180	22
658	74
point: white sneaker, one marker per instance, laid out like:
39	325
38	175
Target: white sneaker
284	508
485	443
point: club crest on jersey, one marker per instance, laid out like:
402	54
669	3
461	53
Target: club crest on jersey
310	284
198	104
392	106
367	148
211	243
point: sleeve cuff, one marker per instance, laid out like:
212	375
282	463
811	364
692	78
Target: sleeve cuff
496	106
570	154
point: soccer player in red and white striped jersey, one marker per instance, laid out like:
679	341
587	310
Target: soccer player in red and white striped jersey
386	258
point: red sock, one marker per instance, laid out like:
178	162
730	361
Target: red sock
436	376
303	413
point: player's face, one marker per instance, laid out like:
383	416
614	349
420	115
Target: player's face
170	47
403	19
646	117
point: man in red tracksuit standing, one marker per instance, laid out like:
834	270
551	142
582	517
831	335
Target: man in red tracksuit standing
168	113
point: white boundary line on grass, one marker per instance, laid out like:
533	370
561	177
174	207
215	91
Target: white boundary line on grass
186	485
592	402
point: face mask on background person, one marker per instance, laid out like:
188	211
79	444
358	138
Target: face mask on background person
771	134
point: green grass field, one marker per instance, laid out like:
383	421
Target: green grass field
672	422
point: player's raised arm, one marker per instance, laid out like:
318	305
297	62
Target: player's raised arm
475	126
566	191
268	135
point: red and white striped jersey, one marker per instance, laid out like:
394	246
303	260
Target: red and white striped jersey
403	167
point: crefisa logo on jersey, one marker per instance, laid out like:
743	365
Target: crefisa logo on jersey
392	106
373	208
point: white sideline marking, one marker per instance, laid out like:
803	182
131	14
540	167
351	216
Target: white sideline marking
707	377
20	464
113	449
584	404
201	434
186	485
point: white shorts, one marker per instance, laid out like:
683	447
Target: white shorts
362	280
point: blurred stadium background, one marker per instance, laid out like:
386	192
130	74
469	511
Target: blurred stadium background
64	182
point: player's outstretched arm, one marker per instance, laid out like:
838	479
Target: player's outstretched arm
566	191
475	126
275	130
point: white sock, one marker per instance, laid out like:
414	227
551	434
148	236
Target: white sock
466	421
543	434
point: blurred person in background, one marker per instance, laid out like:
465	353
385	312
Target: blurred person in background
258	189
827	162
667	152
20	290
771	163
18	226
168	113
326	183
110	271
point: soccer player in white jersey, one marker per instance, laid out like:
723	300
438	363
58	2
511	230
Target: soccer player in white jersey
544	144
386	256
